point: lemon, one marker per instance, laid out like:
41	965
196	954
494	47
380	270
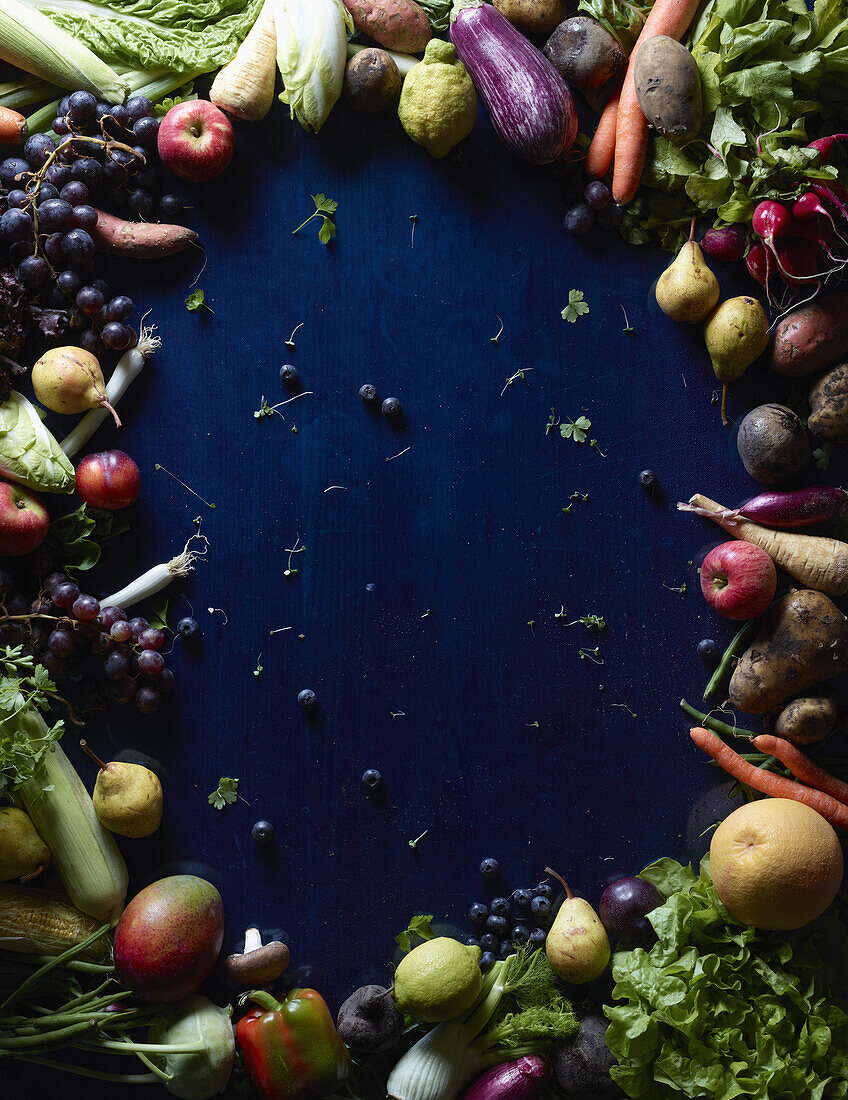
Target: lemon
776	864
438	104
438	980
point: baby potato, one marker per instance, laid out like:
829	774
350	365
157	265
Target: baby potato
372	81
668	88
829	404
532	16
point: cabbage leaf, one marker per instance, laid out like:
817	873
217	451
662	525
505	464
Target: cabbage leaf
29	453
718	1010
181	35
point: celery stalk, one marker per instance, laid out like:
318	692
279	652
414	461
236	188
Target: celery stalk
16	94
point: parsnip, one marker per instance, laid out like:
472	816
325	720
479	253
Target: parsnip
245	86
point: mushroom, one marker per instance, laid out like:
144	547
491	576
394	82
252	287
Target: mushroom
258	964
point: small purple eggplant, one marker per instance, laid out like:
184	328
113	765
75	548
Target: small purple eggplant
518	1080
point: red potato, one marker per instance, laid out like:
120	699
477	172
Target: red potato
140	240
811	337
396	24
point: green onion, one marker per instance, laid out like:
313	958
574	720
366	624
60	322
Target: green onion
16	94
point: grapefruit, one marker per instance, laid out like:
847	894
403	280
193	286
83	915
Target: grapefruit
776	864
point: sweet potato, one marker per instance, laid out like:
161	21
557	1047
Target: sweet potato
140	240
396	24
807	719
803	641
811	337
829	404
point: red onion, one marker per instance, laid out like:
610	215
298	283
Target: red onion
785	510
529	103
518	1080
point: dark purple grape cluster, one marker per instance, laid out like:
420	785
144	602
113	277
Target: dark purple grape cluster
114	657
105	156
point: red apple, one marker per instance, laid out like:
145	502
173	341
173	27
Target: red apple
24	521
738	580
196	140
108	479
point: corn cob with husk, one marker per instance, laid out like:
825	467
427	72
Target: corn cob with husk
40	923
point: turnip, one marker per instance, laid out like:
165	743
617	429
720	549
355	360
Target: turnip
726	244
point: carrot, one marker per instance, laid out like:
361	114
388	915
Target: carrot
801	766
245	86
670	17
139	240
13	127
601	151
813	560
831	809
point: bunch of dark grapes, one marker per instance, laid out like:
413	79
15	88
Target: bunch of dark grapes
105	156
99	651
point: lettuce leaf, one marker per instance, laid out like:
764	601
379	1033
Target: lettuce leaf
621	18
182	35
767	68
717	1010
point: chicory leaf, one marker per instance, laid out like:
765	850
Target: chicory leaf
29	453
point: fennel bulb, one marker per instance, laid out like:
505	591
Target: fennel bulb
520	1010
311	56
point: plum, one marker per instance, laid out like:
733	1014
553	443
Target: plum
624	905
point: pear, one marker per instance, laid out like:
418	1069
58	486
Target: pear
69	380
577	945
736	333
23	854
127	797
687	290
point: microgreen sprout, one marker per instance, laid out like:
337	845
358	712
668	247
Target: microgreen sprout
414	219
290	342
627	326
575	496
593	655
426	614
266	409
298	548
518	376
594	443
531	623
280	630
532	725
219	611
624	706
324	208
397	714
413	844
680	589
208	504
257	672
391	458
494	339
591	622
331	487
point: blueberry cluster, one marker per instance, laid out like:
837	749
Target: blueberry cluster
509	921
98	652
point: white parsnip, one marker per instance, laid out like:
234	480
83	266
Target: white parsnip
815	561
245	86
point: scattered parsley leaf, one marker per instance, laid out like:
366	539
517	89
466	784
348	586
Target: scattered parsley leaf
196	301
822	456
576	306
419	928
184	95
225	794
575	429
324	209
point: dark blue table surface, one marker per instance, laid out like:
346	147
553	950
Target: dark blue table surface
429	583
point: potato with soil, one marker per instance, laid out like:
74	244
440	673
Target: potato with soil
586	55
803	641
811	337
532	16
369	1021
829	404
773	444
668	88
372	81
808	719
396	24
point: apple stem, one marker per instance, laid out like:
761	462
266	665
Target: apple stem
103	401
92	755
561	880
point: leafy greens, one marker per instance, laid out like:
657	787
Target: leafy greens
182	35
621	18
24	685
28	452
718	1011
76	538
766	66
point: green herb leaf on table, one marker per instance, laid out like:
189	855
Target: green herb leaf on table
418	929
76	538
576	306
821	456
324	208
23	685
196	301
225	794
576	429
158	617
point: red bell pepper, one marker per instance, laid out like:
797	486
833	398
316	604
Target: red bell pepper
291	1048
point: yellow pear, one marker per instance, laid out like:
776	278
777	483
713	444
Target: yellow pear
577	945
687	290
127	797
23	854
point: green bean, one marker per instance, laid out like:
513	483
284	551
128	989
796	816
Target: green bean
738	643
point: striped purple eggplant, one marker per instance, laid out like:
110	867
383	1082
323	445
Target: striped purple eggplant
529	103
